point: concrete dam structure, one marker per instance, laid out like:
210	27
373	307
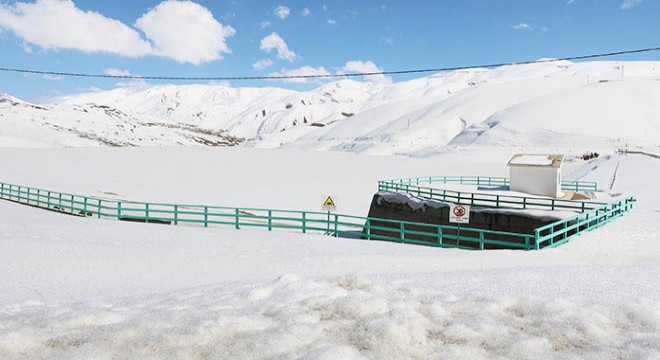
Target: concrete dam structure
408	208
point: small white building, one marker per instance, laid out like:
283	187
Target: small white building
536	174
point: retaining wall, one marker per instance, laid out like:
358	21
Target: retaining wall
417	210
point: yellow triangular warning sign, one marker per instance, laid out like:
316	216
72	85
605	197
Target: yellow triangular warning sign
329	202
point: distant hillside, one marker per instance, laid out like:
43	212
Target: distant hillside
554	104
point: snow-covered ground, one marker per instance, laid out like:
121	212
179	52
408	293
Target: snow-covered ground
74	288
80	288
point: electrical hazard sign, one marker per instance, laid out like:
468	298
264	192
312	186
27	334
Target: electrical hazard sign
329	204
459	214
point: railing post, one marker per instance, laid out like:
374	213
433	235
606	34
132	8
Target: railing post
537	236
72	204
59	202
431	193
524	203
48	199
85	206
553	205
526	242
38	198
583	206
368	226
118	210
100	208
402	232
481	240
336	225
206	216
146	213
270	220
458	235
19	193
2	190
497	201
439	235
176	214
237	219
28	196
304	222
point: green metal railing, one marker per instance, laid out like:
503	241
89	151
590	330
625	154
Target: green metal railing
338	225
486	181
560	232
411	186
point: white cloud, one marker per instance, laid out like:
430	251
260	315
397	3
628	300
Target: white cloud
361	67
281	12
274	41
181	30
522	26
262	64
264	24
331	22
306	12
305	70
134	83
223	83
383	7
59	24
569	2
53	77
389	40
627	4
351	67
117	72
546	29
325	7
185	31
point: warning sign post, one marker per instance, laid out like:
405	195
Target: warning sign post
459	214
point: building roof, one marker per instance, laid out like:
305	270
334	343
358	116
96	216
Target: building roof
536	160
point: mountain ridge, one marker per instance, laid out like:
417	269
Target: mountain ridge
543	104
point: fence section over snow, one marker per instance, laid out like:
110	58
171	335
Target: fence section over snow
337	225
488	200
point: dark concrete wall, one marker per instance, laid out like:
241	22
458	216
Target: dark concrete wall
480	218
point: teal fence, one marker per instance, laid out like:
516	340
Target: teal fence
489	200
411	186
338	225
486	181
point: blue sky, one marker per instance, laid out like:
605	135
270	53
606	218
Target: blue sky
218	38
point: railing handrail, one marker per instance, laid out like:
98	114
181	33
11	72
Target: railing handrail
330	223
492	180
495	199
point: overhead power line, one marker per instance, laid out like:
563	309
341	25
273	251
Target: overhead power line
311	76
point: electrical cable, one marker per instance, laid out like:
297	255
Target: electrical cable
284	77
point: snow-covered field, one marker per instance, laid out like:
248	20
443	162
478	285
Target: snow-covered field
74	288
82	288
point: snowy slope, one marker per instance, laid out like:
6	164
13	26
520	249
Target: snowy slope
605	104
28	125
77	288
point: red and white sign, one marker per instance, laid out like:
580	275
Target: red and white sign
459	214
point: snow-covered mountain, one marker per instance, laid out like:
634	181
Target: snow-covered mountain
609	104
